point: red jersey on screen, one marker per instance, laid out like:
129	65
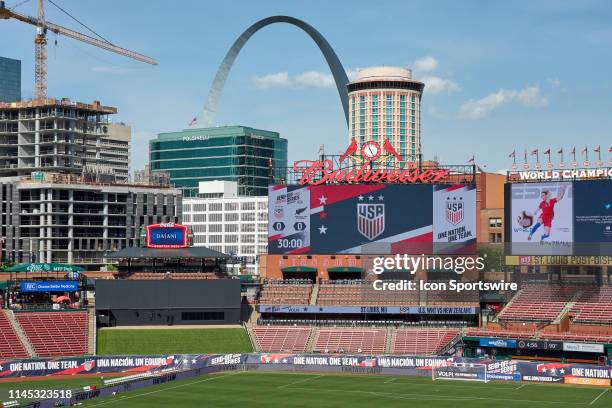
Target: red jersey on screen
548	211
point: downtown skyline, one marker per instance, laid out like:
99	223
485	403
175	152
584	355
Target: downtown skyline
499	77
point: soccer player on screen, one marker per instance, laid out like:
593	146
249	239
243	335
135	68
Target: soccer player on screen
546	208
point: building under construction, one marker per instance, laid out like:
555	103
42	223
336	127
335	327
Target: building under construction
54	217
62	136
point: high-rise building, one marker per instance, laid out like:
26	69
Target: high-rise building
10	80
53	217
61	136
253	158
113	149
226	222
385	103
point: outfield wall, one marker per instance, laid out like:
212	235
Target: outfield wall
172	368
506	370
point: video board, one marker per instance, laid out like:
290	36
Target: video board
560	218
167	235
371	219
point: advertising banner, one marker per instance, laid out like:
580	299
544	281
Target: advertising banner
542	218
505	343
371	218
49	286
587	381
454	215
569	221
168	235
593	212
357	363
367	309
583	347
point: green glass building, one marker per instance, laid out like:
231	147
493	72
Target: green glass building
252	157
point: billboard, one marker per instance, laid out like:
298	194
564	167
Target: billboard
167	235
560	218
371	219
49	286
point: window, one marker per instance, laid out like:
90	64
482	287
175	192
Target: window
495	237
495	222
215	228
216	217
231	227
231	216
231	206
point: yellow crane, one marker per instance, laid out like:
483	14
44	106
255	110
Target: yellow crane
40	41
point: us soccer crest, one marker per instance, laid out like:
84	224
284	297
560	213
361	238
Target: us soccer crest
371	219
454	210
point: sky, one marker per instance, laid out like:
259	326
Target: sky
500	76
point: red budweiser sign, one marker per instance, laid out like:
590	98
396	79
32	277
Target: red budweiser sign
315	172
322	172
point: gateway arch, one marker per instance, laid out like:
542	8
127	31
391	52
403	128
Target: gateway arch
338	72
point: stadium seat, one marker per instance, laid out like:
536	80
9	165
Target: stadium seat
280	339
287	292
55	333
541	303
421	341
365	341
594	306
10	345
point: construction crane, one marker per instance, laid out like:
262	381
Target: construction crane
40	41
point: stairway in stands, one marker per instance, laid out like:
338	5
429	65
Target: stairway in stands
312	339
568	306
390	340
10	316
91	337
314	294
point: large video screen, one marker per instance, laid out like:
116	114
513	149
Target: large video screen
561	218
371	219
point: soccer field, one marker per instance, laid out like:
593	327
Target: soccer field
258	389
172	341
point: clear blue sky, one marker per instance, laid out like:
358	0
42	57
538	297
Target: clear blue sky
501	76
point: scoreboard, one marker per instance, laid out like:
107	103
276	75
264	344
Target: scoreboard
371	218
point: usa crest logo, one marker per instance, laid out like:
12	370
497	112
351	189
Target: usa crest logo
279	213
370	219
454	210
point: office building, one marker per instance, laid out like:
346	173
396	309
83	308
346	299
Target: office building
227	222
62	136
385	103
53	217
10	80
253	158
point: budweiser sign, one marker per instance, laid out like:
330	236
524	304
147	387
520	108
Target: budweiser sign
316	172
322	172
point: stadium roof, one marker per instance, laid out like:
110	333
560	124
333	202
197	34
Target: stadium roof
189	252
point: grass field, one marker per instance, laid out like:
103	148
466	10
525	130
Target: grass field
172	341
258	389
59	384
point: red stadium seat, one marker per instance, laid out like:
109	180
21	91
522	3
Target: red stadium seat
10	345
56	333
366	341
280	338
